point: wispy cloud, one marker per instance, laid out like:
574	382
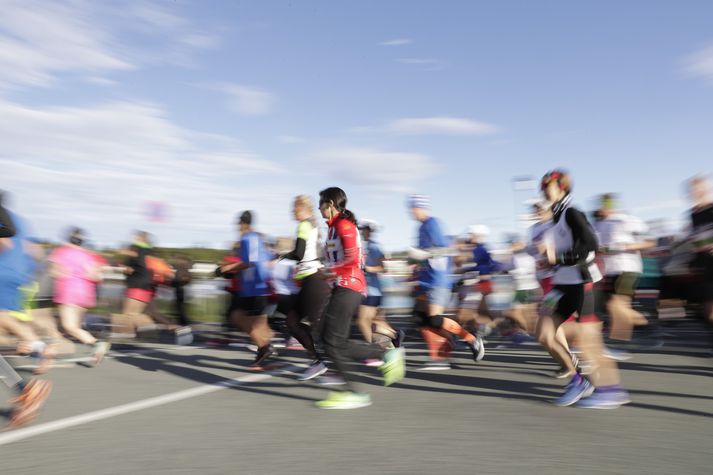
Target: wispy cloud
397	42
247	100
41	40
38	41
440	125
173	36
700	63
428	64
100	81
95	166
158	17
380	169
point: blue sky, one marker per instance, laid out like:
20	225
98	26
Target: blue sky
215	107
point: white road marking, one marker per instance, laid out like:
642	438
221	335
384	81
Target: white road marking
73	421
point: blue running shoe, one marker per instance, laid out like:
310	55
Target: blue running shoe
317	368
521	338
605	399
574	392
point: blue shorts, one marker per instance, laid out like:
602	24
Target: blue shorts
372	301
10	297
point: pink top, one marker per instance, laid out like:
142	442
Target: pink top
74	286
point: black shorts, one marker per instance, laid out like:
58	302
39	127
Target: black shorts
234	301
576	300
253	306
285	304
372	301
43	303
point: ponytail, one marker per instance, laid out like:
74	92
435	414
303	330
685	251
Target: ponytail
346	214
338	198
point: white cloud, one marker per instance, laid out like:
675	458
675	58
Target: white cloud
173	37
100	81
429	64
97	166
397	42
157	17
39	41
700	63
440	125
380	169
248	100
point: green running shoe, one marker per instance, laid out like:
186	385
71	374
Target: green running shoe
394	367
344	400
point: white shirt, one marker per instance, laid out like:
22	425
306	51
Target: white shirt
524	271
536	237
614	233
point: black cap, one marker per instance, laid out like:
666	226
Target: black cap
75	236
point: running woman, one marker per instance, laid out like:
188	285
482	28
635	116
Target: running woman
542	212
139	283
76	273
433	293
371	320
17	267
314	290
620	243
250	314
30	395
570	248
344	269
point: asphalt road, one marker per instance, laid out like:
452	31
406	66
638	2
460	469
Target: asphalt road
154	408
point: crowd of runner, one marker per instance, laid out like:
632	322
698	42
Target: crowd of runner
571	274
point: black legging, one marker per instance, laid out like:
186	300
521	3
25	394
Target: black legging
180	296
336	325
311	301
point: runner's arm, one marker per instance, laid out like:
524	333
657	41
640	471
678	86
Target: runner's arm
584	239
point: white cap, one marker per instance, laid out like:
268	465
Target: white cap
478	230
369	224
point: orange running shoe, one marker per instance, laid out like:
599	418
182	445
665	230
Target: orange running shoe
29	402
